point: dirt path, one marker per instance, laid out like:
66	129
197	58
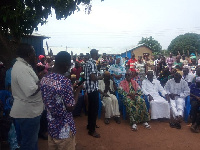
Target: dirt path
120	137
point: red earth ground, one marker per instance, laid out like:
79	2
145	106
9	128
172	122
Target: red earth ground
120	137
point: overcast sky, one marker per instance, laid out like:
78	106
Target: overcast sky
120	24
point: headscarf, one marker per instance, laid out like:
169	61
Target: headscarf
192	56
125	85
40	57
121	63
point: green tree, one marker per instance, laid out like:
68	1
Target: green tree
22	17
152	44
19	17
187	43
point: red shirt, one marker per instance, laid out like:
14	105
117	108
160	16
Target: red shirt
131	63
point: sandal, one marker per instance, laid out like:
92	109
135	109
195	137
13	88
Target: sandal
146	125
134	127
94	134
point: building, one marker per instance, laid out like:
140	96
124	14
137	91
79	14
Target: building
36	40
139	50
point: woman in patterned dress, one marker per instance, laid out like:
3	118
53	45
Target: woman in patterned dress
135	105
117	70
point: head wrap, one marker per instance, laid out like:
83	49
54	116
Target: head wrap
40	57
121	63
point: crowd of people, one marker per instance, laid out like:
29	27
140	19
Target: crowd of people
47	94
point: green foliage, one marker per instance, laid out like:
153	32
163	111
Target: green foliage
187	43
19	17
152	44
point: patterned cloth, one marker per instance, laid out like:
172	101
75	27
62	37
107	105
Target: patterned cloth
170	62
91	68
57	94
141	68
136	109
138	80
118	69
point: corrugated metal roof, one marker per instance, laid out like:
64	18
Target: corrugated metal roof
38	35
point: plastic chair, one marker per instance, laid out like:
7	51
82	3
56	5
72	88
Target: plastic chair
7	99
122	107
187	108
147	102
100	107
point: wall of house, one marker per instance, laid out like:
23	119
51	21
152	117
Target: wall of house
36	42
140	50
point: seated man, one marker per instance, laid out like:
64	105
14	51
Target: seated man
195	104
178	90
188	77
159	106
106	88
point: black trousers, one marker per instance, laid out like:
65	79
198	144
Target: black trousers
93	106
195	105
43	123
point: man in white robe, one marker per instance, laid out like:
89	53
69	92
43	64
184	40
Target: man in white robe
178	90
158	105
109	100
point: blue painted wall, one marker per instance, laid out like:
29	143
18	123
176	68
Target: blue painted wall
36	42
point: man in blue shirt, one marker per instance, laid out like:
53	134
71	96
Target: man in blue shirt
195	104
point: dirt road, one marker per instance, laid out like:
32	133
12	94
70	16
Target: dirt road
120	137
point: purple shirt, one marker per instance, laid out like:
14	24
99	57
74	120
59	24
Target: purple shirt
57	94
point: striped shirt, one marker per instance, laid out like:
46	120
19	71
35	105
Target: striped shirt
91	68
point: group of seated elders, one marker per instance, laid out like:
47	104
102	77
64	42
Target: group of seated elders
163	101
135	105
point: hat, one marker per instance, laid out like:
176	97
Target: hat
41	56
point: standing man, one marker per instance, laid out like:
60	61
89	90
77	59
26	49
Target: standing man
60	100
131	62
91	77
28	105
